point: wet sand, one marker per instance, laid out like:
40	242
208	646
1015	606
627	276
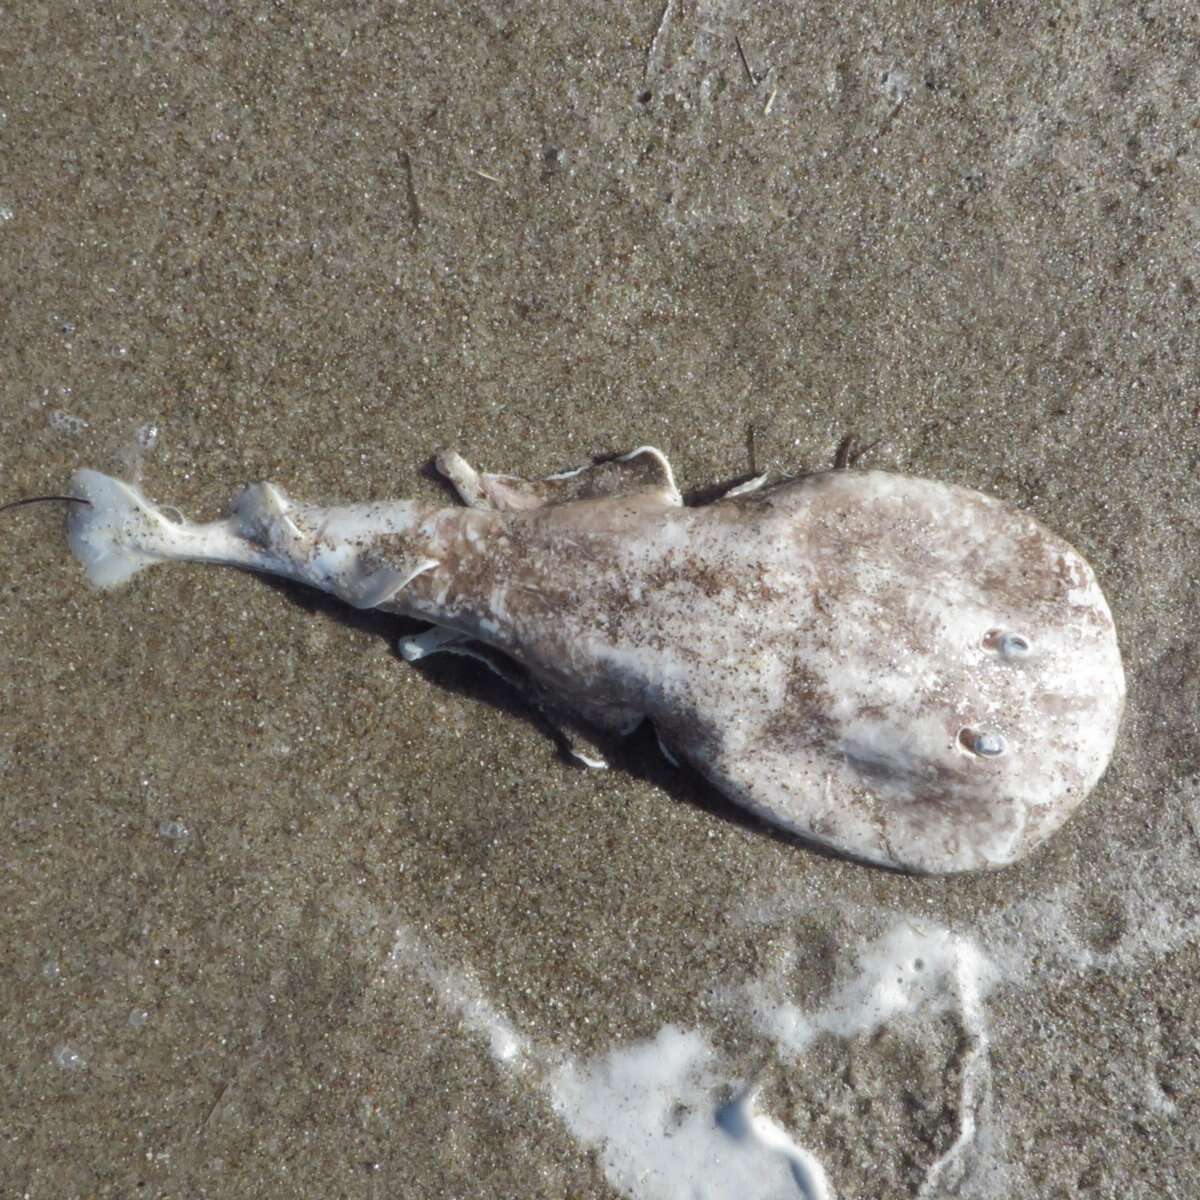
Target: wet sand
274	900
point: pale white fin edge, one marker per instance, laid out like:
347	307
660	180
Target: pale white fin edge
114	535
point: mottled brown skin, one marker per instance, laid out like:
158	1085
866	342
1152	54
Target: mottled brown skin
871	597
906	672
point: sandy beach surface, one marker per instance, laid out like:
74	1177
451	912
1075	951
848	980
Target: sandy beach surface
284	916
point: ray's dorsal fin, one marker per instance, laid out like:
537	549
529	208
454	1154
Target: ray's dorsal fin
640	472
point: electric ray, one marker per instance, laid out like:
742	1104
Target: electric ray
907	672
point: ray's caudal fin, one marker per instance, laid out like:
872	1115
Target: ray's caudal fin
115	532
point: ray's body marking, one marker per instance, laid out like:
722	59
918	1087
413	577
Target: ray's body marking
907	672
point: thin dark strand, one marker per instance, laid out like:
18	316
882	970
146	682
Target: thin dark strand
41	500
849	451
737	41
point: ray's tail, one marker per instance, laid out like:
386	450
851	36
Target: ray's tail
118	532
363	554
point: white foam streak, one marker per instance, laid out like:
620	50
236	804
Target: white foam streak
460	994
649	1110
653	1110
970	970
908	970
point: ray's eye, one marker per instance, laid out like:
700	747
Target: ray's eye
1013	645
1010	646
982	743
